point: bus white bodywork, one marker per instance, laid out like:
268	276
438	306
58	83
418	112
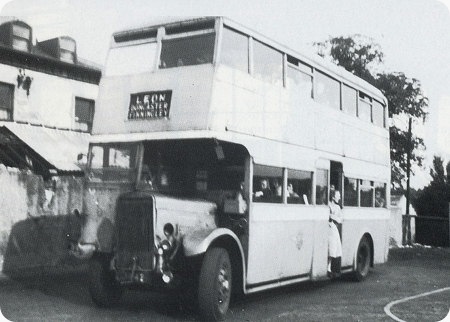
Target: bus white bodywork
266	127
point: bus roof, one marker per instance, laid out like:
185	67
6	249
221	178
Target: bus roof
306	55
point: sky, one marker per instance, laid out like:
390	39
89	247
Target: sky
413	34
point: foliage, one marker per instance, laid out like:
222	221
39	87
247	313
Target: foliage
433	200
362	57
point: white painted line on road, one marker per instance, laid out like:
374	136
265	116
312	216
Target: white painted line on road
387	308
2	318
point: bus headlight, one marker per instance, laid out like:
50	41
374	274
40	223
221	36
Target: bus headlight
164	247
167	277
168	230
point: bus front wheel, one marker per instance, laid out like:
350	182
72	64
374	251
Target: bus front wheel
363	256
214	289
104	289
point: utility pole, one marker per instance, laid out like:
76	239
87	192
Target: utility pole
408	176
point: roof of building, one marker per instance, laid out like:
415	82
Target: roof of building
38	57
54	149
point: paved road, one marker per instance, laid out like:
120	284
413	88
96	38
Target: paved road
409	272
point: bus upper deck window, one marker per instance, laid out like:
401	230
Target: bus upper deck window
349	100
365	107
128	60
186	51
378	111
267	63
234	50
327	90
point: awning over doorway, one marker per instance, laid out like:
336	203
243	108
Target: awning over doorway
42	150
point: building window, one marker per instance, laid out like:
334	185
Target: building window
21	37
6	101
84	113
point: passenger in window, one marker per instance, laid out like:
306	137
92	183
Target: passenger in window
147	178
379	200
264	192
202	59
277	188
242	203
334	238
291	192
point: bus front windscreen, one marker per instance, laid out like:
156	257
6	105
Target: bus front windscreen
186	51
113	162
130	60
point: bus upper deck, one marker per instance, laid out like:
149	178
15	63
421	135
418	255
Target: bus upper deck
211	74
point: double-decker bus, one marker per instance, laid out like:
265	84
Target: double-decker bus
196	120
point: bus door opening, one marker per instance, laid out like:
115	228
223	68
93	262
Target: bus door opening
336	184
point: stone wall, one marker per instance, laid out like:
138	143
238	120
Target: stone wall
34	218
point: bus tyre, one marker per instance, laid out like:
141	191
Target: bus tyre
103	287
214	289
363	256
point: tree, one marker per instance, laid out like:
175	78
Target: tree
362	57
357	54
433	199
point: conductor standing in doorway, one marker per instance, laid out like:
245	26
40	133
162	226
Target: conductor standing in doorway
334	238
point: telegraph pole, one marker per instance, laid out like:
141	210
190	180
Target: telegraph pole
408	176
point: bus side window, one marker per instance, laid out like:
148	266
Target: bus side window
350	192
380	195
321	187
267	184
299	186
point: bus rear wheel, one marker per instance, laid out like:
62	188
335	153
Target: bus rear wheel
214	291
363	256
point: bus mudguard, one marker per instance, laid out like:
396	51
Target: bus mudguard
198	242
